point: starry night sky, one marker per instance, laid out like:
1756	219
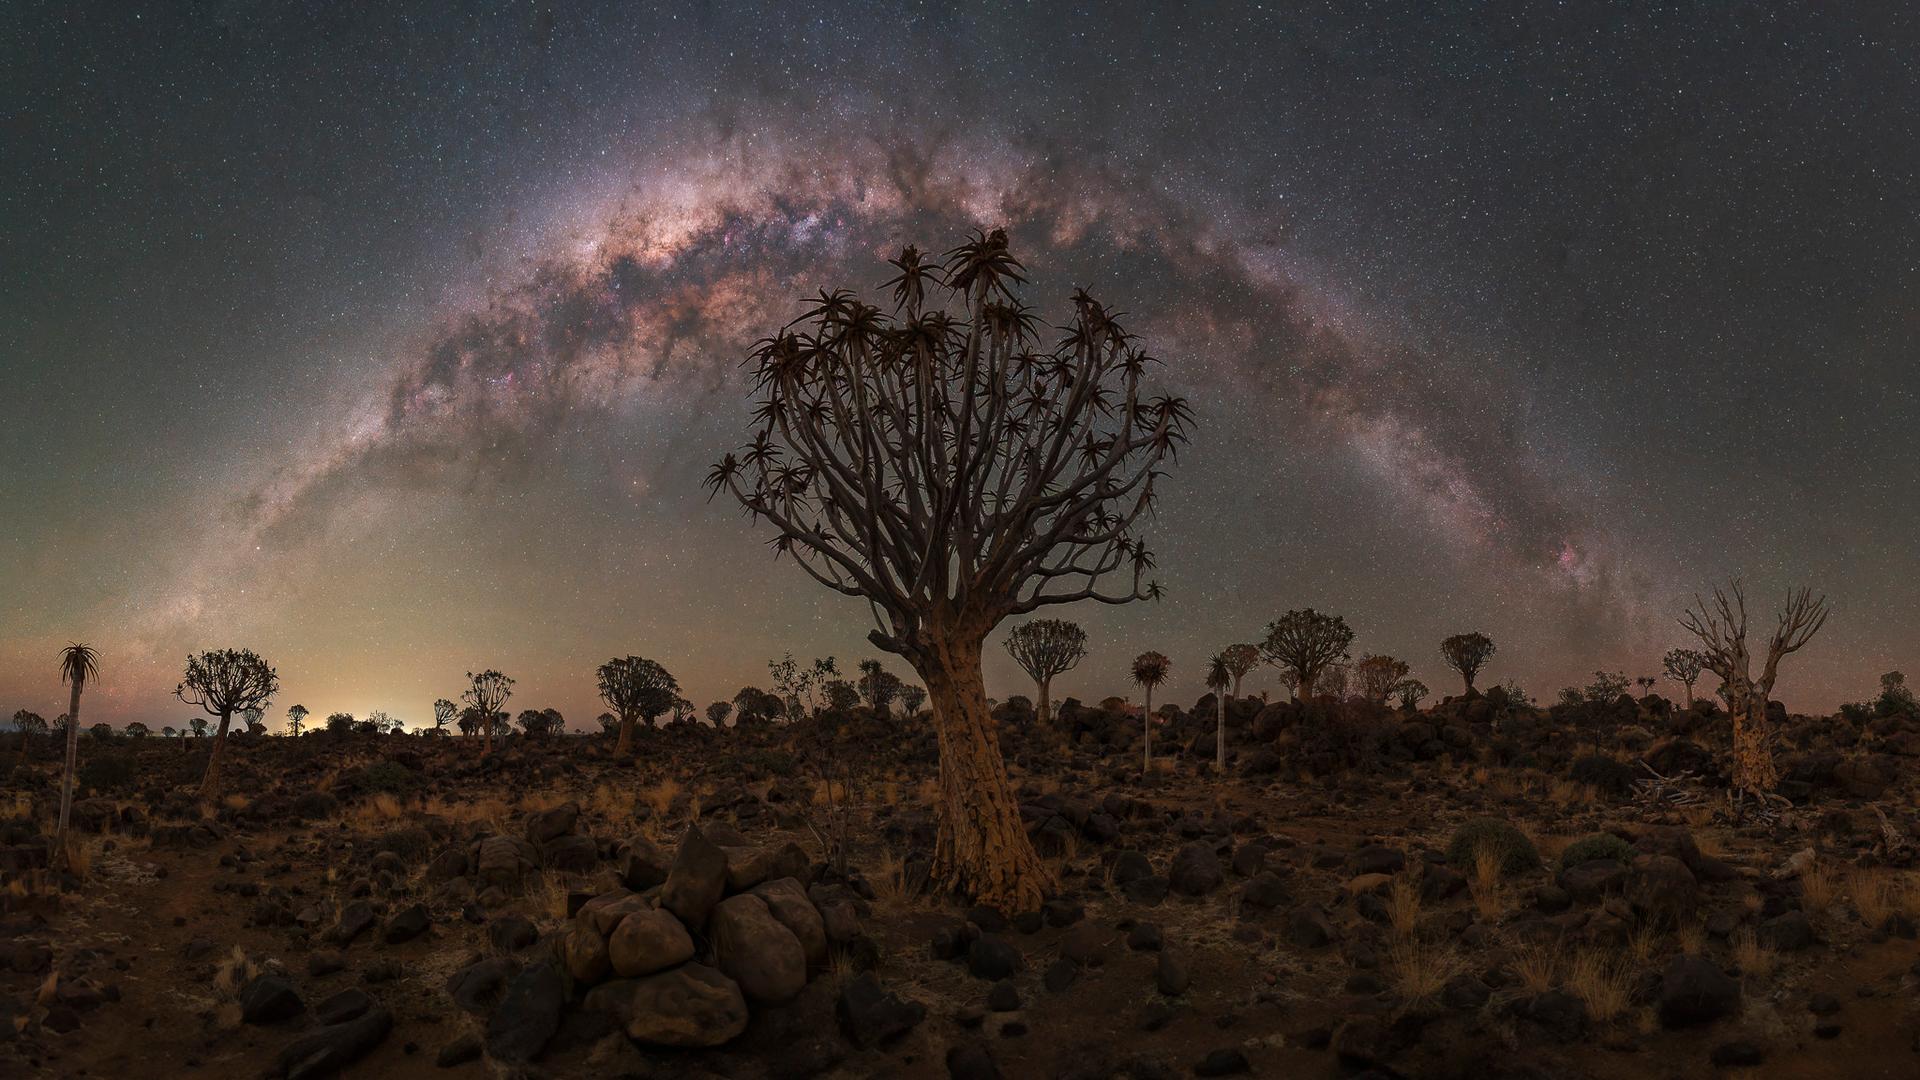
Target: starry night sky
395	345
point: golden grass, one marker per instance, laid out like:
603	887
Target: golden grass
1879	894
1753	955
236	802
891	887
539	802
1422	969
1818	886
1537	967
377	812
1604	983
1691	938
1403	905
1491	897
80	856
659	796
234	972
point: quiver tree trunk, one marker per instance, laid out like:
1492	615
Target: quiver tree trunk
210	782
67	776
1146	734
1753	770
624	743
1043	709
982	850
1220	731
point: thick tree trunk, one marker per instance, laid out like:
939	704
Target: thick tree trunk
1753	768
1220	733
210	783
624	743
66	777
983	850
1044	709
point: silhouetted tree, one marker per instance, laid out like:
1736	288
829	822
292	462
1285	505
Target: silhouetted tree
1410	691
168	732
223	682
445	713
1722	629
840	695
635	688
1303	644
30	725
683	710
1683	666
1219	678
717	713
754	705
1377	675
340	723
941	465
1149	670
1045	648
138	730
487	692
296	719
542	723
199	726
878	686
79	665
911	698
252	719
1239	660
1467	654
101	732
799	687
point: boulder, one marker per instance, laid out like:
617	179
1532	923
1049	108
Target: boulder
326	1051
872	1016
756	951
690	1006
648	941
696	881
1694	991
546	826
1196	870
268	999
788	902
528	1016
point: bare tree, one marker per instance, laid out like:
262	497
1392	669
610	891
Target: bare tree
487	692
1722	629
1219	677
79	665
1683	666
1378	674
941	465
1044	648
223	682
1467	654
1239	660
635	688
1303	644
1149	670
445	713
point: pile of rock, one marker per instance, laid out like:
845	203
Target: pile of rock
680	954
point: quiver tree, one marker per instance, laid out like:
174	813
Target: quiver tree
79	665
1722	629
1044	648
1303	644
1377	675
942	464
222	683
30	725
1149	670
1239	659
444	713
635	688
1467	654
487	692
878	686
296	719
1219	677
1683	666
1410	691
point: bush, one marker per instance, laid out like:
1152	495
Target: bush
1516	853
388	776
1610	776
1598	846
107	772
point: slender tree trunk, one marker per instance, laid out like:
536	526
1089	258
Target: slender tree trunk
982	850
1220	733
1146	733
1046	700
210	783
66	778
1689	687
486	734
624	743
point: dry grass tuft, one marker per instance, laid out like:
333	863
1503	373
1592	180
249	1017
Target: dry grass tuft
1604	983
1818	886
236	971
378	812
891	885
1537	967
1422	969
1754	956
1491	897
1691	939
537	802
1880	894
1403	905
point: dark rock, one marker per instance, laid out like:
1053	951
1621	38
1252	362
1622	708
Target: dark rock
873	1016
1196	870
326	1051
1738	1053
528	1015
1228	1061
992	958
1693	991
1789	932
410	923
344	1006
971	1062
268	999
461	1050
697	880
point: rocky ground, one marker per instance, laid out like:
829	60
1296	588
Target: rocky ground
1479	890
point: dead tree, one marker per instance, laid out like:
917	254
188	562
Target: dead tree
222	683
941	464
1722	629
1044	648
1467	654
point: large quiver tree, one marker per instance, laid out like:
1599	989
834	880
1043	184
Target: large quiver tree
1722	629
942	464
223	682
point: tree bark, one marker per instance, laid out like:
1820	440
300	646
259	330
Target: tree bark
982	849
1146	733
210	783
624	743
1045	706
1753	767
1220	732
66	778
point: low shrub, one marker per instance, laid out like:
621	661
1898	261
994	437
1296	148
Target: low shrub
1516	853
1598	846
